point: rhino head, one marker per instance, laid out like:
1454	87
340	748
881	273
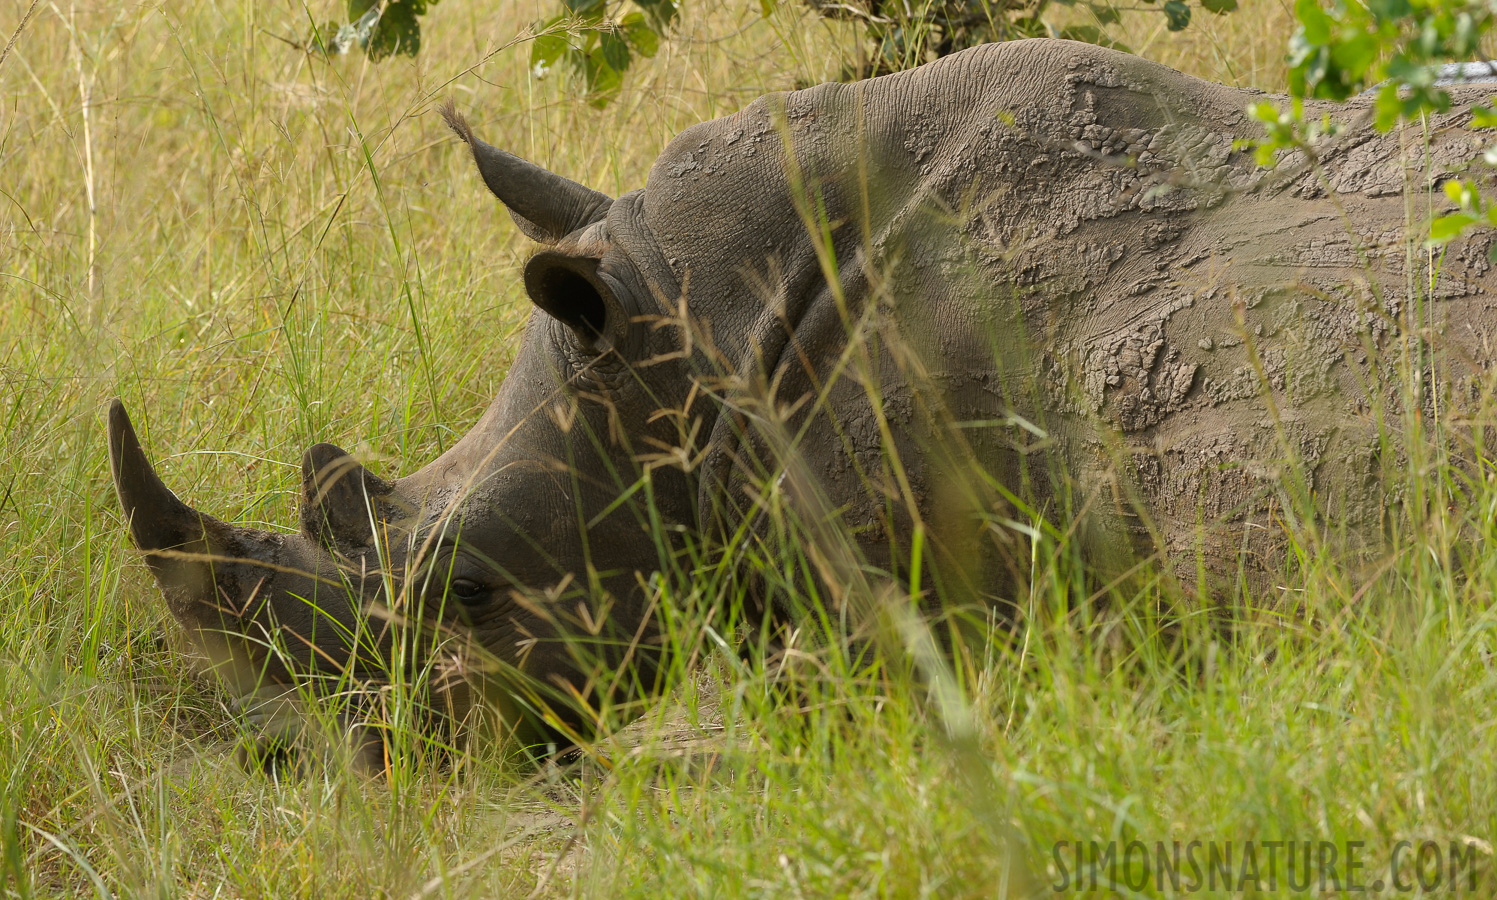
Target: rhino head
682	340
518	553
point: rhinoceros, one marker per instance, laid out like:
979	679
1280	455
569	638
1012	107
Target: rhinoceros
1034	284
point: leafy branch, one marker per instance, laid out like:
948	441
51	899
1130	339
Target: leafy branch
596	41
599	48
1402	49
381	28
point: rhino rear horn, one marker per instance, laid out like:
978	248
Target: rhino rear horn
158	520
341	500
546	206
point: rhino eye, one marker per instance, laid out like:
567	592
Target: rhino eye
465	589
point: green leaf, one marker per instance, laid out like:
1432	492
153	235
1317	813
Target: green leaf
1107	14
396	31
615	51
661	12
1447	228
1390	10
1388	107
1410	73
1464	41
1314	23
1264	112
588	10
1220	7
1461	193
767	7
603	81
639	34
1178	14
1355	55
546	50
1087	33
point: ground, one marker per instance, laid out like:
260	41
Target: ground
259	250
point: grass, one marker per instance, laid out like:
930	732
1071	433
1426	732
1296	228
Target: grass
259	250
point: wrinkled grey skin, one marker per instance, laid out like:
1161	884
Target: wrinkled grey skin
1066	287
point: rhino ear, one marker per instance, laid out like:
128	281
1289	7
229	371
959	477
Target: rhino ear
341	500
573	291
546	206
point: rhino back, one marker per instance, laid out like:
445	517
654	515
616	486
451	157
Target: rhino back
1070	235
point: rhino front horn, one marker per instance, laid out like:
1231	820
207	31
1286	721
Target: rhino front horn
158	520
546	206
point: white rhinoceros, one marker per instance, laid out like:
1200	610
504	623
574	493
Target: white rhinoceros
1032	282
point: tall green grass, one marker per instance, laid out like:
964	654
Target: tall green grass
259	250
